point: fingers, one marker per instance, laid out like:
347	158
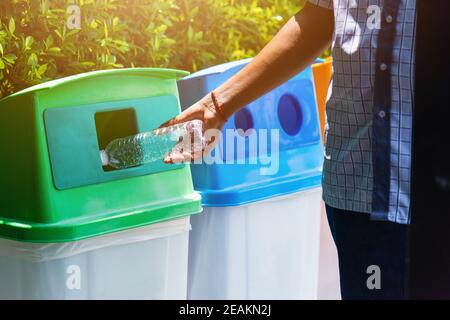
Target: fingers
191	150
195	147
180	153
171	122
182	157
210	145
174	158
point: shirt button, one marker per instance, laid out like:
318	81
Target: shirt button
382	114
389	19
383	67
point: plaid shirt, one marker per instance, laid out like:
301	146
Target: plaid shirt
369	115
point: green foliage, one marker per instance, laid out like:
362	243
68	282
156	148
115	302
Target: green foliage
36	44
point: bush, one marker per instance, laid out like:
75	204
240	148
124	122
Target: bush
36	44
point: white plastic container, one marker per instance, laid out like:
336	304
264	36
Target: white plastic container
259	234
143	263
263	250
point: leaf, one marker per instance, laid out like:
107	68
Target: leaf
157	42
87	64
44	6
1	49
37	74
105	29
59	34
190	34
10	58
12	25
33	60
112	59
169	42
193	13
54	50
121	43
28	42
72	32
2	64
198	36
49	41
94	24
41	70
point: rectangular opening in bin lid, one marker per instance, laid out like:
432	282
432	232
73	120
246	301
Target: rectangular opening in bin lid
114	124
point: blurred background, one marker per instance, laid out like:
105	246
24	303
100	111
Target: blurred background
37	42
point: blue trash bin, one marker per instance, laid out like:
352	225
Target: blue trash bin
258	237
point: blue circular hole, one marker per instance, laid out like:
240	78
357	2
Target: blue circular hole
290	114
243	120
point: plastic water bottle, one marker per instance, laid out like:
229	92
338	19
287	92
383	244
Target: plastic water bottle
154	145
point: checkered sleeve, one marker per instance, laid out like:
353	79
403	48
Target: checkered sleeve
322	3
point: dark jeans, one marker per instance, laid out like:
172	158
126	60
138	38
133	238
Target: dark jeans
372	255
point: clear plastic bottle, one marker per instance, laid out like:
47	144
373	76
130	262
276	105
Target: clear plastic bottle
154	145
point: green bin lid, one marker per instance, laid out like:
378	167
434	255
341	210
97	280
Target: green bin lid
34	208
145	72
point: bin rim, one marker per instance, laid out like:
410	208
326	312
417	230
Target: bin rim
218	69
44	252
251	193
82	228
148	72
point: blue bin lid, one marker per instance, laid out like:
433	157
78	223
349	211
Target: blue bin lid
219	69
291	110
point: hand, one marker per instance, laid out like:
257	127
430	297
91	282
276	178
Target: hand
202	110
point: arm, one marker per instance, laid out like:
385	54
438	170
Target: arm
303	38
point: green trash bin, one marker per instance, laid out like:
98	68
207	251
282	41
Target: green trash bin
71	228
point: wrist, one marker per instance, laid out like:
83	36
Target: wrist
211	103
221	102
207	104
218	106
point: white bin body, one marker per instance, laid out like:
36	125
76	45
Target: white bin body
144	263
263	250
